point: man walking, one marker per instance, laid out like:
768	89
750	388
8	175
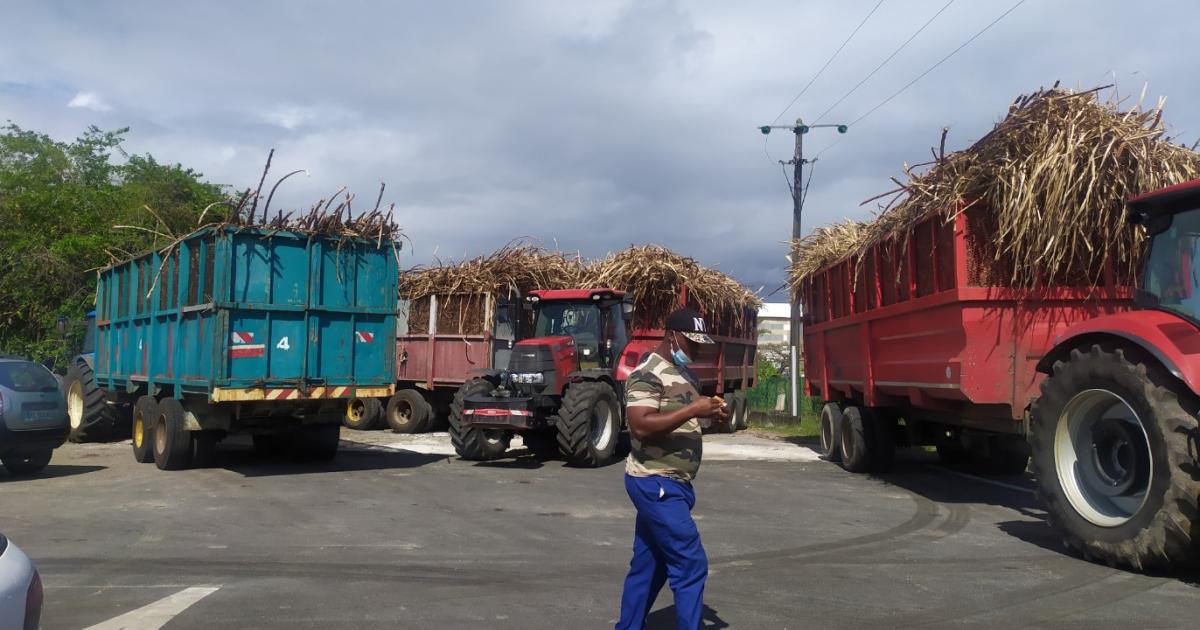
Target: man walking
663	408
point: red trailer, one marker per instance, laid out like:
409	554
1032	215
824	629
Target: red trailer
445	341
924	344
923	329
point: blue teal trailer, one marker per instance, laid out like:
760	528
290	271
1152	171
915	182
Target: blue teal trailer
236	329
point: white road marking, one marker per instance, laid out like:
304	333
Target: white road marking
984	480
157	614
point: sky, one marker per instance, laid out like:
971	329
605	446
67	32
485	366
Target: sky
585	126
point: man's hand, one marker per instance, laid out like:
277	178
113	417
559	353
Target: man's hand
705	407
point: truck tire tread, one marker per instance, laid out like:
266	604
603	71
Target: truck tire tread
101	422
472	443
574	426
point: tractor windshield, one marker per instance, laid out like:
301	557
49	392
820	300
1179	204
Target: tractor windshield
1172	279
579	320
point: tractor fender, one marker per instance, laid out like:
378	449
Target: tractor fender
1173	341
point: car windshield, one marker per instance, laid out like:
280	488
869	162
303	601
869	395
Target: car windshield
1172	280
27	377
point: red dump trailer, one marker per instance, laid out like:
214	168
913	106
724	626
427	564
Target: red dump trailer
1098	385
923	329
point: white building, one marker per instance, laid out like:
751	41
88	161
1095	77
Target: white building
774	318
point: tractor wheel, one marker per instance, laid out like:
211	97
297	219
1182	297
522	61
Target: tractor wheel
145	413
831	432
408	412
362	414
21	463
314	442
92	418
1113	439
589	424
471	442
172	442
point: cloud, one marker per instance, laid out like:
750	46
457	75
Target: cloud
588	126
89	100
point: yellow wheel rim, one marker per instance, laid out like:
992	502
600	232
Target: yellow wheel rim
138	431
355	409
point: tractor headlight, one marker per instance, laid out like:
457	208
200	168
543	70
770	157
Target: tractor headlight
536	378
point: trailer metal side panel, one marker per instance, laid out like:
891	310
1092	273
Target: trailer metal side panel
931	339
250	309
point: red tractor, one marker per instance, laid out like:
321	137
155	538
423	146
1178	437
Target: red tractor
563	387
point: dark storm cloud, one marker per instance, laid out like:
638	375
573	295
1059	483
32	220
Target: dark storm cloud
589	126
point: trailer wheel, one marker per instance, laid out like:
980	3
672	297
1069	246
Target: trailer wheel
145	414
855	439
589	424
408	412
831	432
92	418
473	443
743	412
172	442
362	414
1113	441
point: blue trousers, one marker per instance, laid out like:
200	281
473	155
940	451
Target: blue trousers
666	545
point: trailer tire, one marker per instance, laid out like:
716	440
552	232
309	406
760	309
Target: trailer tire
92	418
743	412
408	412
315	442
474	443
855	439
831	432
145	414
172	441
589	425
362	414
1121	406
266	445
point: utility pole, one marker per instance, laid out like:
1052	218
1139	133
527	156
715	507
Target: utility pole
795	335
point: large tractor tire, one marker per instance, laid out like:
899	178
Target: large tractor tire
409	412
362	414
831	432
92	418
172	441
472	443
1113	439
145	414
589	426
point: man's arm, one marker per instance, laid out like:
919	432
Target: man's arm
648	422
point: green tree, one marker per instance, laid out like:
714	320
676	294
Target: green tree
59	203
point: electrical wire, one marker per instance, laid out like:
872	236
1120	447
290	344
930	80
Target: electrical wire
884	62
940	62
827	62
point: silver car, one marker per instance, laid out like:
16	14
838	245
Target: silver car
20	589
33	416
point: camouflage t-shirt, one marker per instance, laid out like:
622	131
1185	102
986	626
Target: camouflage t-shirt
659	385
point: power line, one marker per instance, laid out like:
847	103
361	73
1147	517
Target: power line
885	61
940	62
827	62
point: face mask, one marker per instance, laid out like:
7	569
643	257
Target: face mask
679	356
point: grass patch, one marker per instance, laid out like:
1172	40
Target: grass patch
785	426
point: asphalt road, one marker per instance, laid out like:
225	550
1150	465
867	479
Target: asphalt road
388	537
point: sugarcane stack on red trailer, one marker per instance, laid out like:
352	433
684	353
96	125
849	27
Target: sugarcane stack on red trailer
988	310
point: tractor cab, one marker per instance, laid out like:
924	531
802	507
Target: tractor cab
1171	272
595	320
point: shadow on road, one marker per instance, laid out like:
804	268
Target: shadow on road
50	472
248	463
665	619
